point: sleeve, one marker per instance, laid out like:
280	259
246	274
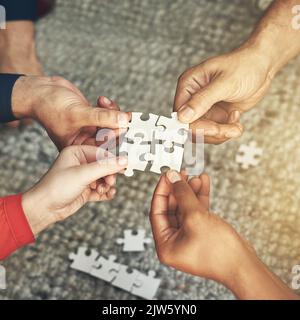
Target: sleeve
7	82
15	231
20	9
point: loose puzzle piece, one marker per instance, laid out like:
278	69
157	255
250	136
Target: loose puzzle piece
83	261
105	269
148	286
142	128
171	130
134	242
165	158
125	279
249	155
135	152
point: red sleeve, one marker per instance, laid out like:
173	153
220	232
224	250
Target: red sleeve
15	231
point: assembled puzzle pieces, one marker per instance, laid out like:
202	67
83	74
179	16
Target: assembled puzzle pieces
83	260
166	136
134	242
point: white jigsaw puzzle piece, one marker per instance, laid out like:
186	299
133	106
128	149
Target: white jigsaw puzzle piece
105	269
139	127
249	155
125	280
82	261
134	242
171	129
135	151
147	286
163	158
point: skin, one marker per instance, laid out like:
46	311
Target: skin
214	94
192	239
74	179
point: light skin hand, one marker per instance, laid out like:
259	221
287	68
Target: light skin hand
75	178
190	238
213	95
63	110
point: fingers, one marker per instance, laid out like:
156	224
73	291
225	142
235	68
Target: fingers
216	131
204	191
106	103
103	118
186	199
159	218
201	101
87	173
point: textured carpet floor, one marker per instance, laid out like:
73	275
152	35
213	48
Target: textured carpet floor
134	51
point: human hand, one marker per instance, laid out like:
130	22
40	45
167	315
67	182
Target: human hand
190	238
213	95
63	110
76	177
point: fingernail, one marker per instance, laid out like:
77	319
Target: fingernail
173	176
123	161
235	116
187	113
123	121
113	192
106	101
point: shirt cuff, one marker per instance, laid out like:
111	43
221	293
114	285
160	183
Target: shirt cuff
7	82
20	9
18	224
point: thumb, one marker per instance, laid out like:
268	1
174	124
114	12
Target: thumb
104	118
88	173
202	101
186	199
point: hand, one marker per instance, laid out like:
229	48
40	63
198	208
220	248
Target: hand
75	179
187	236
190	238
63	110
213	95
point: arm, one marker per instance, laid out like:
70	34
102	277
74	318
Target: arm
190	238
214	94
80	174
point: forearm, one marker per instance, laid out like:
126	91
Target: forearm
254	281
275	37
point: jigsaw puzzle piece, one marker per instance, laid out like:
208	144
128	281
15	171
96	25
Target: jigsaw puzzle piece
134	242
125	279
171	130
147	285
165	158
135	152
82	261
141	128
249	155
105	269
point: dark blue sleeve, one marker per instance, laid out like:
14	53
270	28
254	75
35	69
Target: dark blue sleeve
20	9
7	82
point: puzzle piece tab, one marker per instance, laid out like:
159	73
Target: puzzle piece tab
134	242
147	286
125	279
171	130
165	158
105	269
135	152
83	261
248	155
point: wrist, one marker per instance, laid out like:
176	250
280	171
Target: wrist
36	212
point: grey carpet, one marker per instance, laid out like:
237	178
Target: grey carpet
134	51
